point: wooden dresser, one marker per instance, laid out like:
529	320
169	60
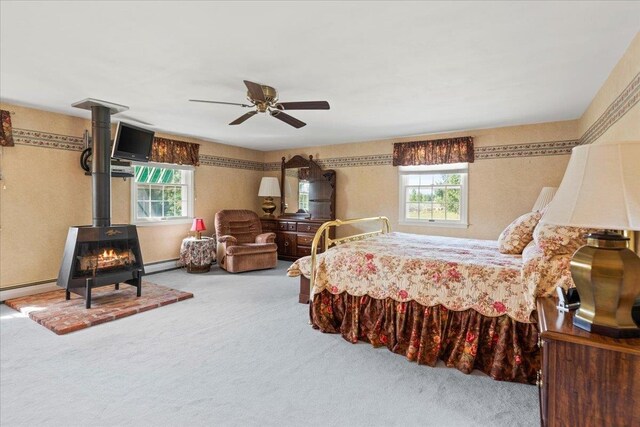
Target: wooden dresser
293	236
586	379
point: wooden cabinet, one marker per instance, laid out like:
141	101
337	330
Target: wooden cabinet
586	379
293	237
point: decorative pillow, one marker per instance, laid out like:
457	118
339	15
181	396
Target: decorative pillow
560	239
542	274
518	234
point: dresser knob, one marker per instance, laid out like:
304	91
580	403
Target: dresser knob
286	243
540	342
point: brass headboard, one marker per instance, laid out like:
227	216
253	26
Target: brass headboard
328	241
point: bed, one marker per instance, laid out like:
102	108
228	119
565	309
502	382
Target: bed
432	298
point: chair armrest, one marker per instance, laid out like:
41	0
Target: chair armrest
266	238
227	240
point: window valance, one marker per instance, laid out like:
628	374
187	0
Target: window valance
6	133
166	150
433	152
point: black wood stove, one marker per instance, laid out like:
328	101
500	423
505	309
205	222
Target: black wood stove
100	254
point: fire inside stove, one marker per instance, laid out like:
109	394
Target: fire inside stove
108	259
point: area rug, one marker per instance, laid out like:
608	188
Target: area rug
52	311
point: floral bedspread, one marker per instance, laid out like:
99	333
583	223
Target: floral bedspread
457	273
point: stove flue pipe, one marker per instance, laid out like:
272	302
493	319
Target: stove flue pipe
101	165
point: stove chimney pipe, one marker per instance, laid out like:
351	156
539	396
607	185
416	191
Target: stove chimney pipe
101	165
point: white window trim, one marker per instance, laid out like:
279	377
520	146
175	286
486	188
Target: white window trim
163	221
461	168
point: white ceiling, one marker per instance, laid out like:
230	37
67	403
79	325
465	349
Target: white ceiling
387	69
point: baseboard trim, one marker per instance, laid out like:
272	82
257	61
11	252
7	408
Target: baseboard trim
157	267
27	290
40	287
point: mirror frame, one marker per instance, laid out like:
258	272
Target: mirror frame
315	173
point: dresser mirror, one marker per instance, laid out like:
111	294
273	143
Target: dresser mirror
308	192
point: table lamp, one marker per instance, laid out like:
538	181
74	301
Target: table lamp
544	198
601	190
269	188
198	227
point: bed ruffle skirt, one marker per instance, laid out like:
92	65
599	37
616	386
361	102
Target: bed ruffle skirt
501	347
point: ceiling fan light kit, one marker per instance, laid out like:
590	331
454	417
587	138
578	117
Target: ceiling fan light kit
265	99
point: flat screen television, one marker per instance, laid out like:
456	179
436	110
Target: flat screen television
132	143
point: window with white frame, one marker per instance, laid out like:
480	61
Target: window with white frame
434	195
162	193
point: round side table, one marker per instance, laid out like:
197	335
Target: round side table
197	254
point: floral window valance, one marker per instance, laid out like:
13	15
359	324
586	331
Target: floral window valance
177	152
434	152
6	133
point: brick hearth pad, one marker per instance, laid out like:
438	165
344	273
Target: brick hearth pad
54	313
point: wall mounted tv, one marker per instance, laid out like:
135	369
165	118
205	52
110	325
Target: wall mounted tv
132	143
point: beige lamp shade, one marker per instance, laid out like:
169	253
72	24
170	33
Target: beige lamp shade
269	187
600	188
544	198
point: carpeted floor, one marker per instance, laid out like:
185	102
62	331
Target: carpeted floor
239	353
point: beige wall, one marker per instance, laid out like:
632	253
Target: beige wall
621	88
43	191
499	189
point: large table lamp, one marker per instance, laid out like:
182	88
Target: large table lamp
601	190
269	188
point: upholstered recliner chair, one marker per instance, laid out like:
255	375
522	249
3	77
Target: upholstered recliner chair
242	246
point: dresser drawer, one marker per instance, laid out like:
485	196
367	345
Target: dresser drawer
305	239
286	226
303	251
268	226
308	228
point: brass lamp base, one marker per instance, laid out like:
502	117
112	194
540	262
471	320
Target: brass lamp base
268	207
607	276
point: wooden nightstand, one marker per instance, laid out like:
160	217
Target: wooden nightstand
586	379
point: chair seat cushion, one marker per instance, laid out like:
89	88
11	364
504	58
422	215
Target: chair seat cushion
251	248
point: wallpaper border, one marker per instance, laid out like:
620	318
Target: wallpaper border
47	140
624	102
620	106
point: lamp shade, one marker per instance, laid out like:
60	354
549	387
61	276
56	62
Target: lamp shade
269	187
600	188
198	225
544	198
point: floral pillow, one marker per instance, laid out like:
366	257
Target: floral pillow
560	239
518	234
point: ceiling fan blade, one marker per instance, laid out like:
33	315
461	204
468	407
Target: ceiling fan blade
243	117
133	119
220	102
255	90
305	105
288	119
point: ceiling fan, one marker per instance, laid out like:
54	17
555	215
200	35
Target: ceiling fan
265	98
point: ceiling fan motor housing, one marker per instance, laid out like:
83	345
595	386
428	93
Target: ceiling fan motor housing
270	98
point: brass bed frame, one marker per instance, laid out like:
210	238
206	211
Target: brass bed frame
324	229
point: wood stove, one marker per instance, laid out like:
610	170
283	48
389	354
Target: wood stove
100	254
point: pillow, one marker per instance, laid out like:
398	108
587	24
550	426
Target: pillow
518	234
560	239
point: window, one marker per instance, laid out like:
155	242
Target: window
162	193
303	195
434	195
